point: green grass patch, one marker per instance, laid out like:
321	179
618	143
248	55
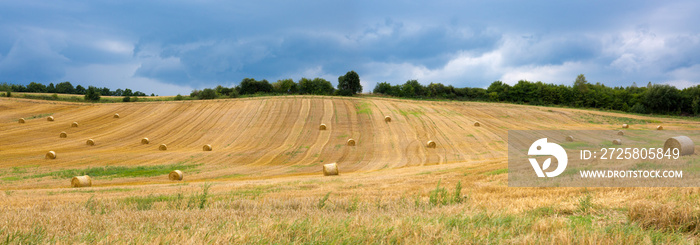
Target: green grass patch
39	116
118	171
363	108
412	112
497	171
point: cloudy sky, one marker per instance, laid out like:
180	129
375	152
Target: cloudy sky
170	47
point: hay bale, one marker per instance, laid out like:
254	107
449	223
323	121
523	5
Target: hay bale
206	147
659	127
330	169
351	142
50	155
74	124
477	124
90	142
21	120
163	147
617	142
145	141
570	138
116	115
176	175
625	126
387	119
63	135
81	181
620	132
50	119
322	127
684	145
431	144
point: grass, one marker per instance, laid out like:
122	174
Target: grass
118	171
363	107
497	171
39	116
606	119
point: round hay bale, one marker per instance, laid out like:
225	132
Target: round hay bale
90	142
431	144
570	138
617	142
21	120
206	147
176	175
625	126
387	119
63	135
50	155
50	119
684	144
351	142
322	127
330	169
163	147
74	124
620	132
145	141
116	115
81	181
477	124
659	127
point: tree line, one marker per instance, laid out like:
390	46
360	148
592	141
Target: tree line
66	88
348	85
656	98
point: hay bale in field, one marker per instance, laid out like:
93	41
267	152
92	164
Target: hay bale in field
116	115
387	119
431	144
477	124
322	127
570	138
90	142
617	142
50	119
620	132
163	147
81	181
63	135
206	147
351	142
50	155
684	145
21	120
330	169
625	126
74	124
659	127
176	175
145	141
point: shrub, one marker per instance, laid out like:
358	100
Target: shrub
178	97
207	94
126	99
638	108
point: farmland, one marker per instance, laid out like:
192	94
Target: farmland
262	182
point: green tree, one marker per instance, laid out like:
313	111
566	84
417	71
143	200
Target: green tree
80	90
285	86
65	88
207	94
92	94
350	82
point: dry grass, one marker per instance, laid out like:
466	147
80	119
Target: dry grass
262	185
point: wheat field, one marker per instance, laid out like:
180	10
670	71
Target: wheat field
263	180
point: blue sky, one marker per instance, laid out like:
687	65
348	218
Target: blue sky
170	47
